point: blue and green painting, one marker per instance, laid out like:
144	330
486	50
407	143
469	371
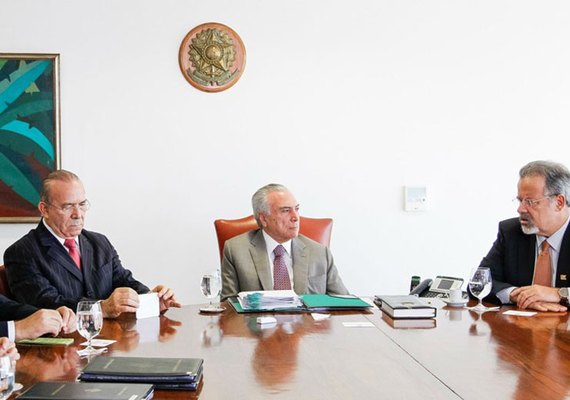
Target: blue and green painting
28	140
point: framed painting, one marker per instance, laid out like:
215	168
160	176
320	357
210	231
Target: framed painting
29	131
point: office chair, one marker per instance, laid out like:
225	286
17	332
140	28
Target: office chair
4	288
318	229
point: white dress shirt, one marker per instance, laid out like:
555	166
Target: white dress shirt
62	240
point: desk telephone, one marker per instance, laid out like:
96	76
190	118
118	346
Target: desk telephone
439	287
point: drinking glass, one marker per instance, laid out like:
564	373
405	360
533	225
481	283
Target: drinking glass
7	374
211	286
480	286
89	322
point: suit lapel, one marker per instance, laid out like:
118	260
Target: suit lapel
300	266
258	253
563	267
527	254
86	264
57	252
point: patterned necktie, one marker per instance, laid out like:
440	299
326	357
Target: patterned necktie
73	252
281	280
542	269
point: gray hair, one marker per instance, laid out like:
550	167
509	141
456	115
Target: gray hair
259	199
57	175
556	177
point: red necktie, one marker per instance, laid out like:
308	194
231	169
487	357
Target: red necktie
542	268
281	280
73	252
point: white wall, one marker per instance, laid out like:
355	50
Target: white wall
344	102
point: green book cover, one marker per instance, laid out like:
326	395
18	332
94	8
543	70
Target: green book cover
325	301
47	341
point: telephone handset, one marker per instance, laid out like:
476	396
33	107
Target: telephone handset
439	287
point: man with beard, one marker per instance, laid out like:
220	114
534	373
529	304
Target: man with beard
530	260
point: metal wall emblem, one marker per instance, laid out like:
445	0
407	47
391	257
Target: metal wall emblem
212	57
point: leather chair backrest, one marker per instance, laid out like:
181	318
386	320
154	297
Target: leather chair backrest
4	288
318	229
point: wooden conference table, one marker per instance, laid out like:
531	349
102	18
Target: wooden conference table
465	356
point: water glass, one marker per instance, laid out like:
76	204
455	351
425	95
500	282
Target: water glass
7	375
211	286
89	322
480	286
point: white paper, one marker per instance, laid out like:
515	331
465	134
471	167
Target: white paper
358	324
148	305
520	313
320	317
99	342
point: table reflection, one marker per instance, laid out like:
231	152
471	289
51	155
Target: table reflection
479	327
130	332
536	340
212	334
41	363
275	357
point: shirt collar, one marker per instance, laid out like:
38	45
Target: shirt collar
59	239
554	240
271	244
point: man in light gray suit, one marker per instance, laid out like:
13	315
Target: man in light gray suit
276	256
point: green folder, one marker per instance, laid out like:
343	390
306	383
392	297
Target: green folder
327	302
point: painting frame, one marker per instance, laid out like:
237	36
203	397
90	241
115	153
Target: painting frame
29	131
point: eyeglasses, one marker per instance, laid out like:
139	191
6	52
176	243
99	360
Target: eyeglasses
531	203
69	207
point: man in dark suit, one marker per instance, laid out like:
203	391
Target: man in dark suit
276	256
530	260
22	321
59	263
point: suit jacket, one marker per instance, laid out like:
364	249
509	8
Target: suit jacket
12	311
245	266
41	272
512	258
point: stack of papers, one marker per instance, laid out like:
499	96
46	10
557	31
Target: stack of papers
269	300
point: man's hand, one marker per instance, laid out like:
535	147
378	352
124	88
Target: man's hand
545	306
166	298
39	323
121	300
8	348
526	295
68	319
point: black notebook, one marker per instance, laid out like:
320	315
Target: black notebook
87	391
164	373
407	306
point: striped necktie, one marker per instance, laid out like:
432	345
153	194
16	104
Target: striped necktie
281	280
73	252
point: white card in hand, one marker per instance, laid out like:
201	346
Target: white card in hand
148	305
